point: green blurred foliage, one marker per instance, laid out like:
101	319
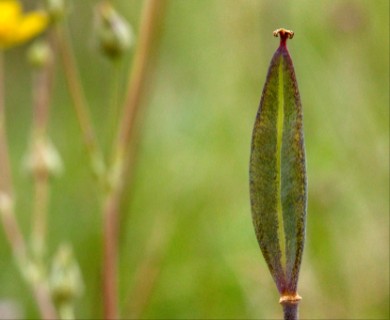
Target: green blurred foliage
186	214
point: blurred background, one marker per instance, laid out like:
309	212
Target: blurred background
188	248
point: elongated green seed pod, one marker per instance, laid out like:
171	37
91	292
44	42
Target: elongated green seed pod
278	188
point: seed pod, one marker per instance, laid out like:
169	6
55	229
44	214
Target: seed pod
278	175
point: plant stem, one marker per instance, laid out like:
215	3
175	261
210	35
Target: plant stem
290	311
152	12
5	168
12	231
42	83
113	116
45	304
290	302
149	267
80	104
11	227
39	222
110	252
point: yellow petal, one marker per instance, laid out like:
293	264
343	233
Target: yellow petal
9	18
9	11
31	25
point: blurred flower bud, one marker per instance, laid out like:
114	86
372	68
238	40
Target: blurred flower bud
43	158
65	279
56	9
39	54
115	35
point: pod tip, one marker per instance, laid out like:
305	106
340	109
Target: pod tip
284	34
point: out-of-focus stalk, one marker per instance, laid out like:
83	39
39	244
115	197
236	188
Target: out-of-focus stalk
40	170
149	266
152	13
113	103
80	104
5	168
8	219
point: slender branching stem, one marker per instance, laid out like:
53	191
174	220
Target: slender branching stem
110	252
42	82
8	219
11	227
39	222
149	266
12	231
45	304
17	243
80	103
42	85
5	168
153	11
112	123
152	14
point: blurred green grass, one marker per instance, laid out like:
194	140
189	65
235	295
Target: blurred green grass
189	199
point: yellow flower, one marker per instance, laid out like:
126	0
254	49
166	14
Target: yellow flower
16	27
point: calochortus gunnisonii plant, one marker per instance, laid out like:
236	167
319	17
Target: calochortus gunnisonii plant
278	186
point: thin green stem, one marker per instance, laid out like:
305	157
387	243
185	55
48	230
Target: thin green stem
12	231
45	304
8	219
80	104
11	227
42	84
153	11
39	230
5	167
110	256
151	17
114	99
149	266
